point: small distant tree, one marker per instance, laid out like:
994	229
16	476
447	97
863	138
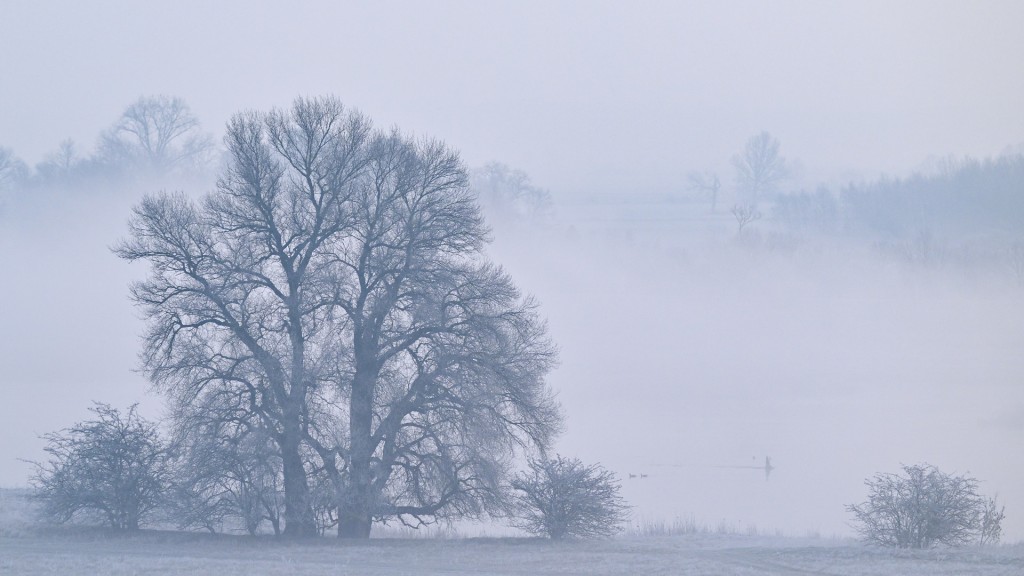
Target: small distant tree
744	214
112	469
60	163
508	195
924	508
564	498
706	183
12	170
759	168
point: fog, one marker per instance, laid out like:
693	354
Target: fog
686	363
586	98
687	349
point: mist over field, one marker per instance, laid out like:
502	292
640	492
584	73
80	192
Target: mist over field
681	354
870	315
830	360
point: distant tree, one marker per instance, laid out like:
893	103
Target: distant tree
112	469
966	197
744	214
507	194
759	168
926	507
155	133
12	170
563	498
60	163
805	211
708	184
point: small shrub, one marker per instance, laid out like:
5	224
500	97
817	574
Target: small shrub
112	469
563	498
924	508
991	529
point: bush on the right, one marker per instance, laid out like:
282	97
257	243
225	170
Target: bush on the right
925	507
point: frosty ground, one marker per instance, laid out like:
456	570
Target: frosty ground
28	547
173	553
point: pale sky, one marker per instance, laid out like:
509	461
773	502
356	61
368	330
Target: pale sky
584	96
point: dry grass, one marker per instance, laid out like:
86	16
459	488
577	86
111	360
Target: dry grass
19	514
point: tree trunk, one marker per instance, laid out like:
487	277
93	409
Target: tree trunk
355	511
298	514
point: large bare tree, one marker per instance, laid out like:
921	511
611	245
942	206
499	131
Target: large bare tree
334	286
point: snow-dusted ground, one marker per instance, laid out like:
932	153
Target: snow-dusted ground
162	553
28	548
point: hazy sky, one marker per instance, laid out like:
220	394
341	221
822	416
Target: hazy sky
584	96
671	357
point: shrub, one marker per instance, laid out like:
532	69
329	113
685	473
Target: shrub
563	498
924	508
112	469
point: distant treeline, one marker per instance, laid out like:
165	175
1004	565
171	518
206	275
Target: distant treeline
156	136
962	198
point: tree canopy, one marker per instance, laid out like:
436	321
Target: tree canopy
332	292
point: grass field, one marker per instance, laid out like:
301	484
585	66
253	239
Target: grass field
28	547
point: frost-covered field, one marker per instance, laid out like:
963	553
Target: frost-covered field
29	548
161	553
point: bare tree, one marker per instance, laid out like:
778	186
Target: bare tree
924	508
60	163
445	361
706	183
744	214
157	133
113	468
334	284
239	299
564	498
759	168
507	194
12	170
